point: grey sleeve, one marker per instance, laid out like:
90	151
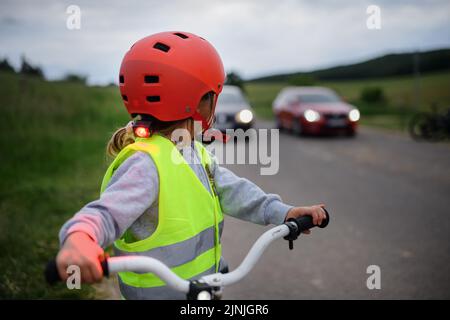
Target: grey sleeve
243	199
108	217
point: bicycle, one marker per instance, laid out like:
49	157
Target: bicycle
430	126
208	287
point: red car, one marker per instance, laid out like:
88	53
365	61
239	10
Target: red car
314	110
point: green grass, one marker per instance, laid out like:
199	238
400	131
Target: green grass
394	114
53	138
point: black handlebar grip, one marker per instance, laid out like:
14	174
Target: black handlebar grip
52	275
104	264
51	272
306	222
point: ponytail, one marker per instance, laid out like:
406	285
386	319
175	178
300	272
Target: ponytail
120	139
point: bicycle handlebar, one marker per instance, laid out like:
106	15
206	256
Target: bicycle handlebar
51	273
289	230
306	222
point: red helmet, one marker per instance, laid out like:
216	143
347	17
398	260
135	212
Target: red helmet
165	75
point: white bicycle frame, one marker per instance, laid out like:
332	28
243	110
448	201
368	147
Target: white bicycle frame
140	264
209	286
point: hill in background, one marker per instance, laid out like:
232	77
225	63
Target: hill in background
386	66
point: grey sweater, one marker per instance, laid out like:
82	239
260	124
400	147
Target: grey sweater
130	201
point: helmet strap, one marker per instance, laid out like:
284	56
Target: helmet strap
198	117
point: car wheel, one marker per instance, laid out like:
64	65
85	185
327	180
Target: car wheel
278	124
350	133
296	127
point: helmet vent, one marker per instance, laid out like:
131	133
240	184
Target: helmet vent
162	47
182	36
124	97
153	98
121	79
151	79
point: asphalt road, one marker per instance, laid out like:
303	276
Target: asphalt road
389	198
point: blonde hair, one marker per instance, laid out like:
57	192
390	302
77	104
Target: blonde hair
120	139
125	135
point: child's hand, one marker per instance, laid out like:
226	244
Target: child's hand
316	212
79	249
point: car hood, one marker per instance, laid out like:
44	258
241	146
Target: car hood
231	107
328	107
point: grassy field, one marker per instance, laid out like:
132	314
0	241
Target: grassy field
400	93
52	138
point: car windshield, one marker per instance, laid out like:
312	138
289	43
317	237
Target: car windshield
318	97
230	98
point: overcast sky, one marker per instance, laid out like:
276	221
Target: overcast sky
254	38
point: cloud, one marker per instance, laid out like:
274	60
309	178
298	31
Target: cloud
253	37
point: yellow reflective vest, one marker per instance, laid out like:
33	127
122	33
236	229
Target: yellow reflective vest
190	220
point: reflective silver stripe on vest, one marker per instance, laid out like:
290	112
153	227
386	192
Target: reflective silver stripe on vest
181	252
156	293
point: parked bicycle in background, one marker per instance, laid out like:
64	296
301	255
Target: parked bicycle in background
431	126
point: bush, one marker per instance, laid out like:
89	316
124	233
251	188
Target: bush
5	66
28	69
234	79
71	77
372	95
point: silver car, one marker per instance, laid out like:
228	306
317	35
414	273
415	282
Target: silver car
232	110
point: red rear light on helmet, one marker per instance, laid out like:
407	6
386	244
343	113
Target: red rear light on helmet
141	132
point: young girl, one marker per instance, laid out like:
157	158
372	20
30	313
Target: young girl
161	198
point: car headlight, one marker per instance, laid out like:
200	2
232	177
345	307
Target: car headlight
311	115
354	115
244	116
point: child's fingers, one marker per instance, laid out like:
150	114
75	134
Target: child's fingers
99	251
61	265
96	271
315	216
86	275
62	271
321	214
